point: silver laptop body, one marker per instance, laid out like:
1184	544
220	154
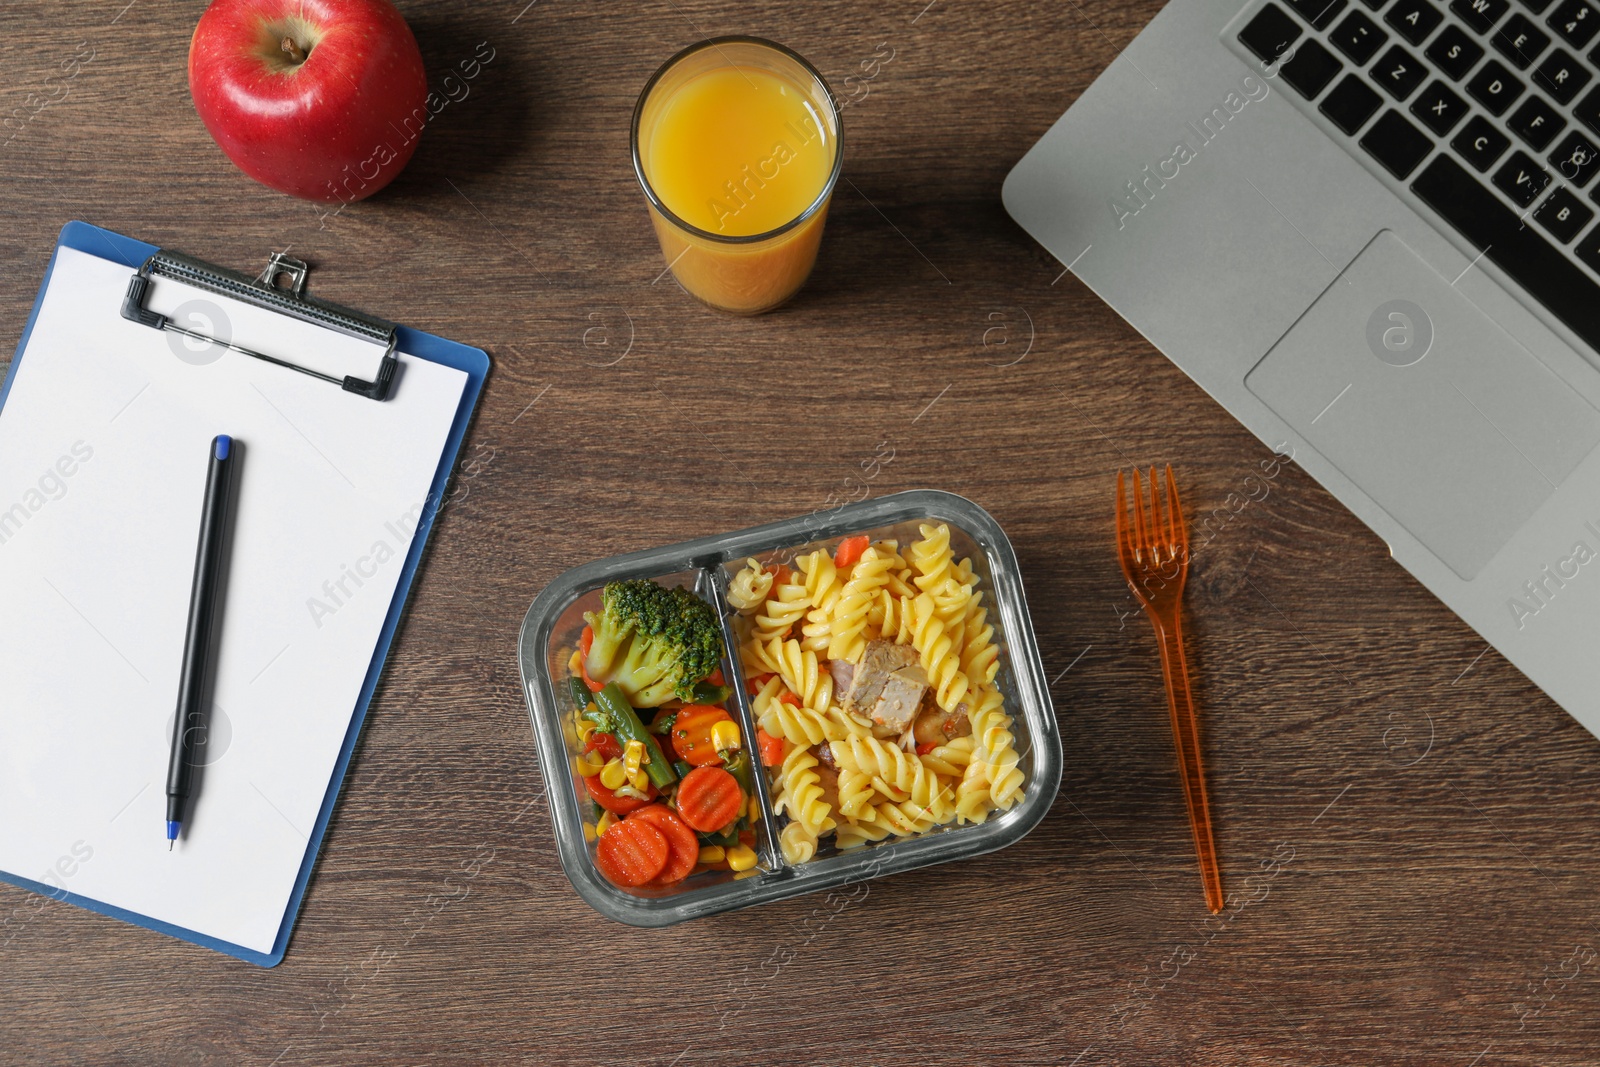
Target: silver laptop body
1413	314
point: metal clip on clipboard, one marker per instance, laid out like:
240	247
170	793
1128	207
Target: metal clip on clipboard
264	291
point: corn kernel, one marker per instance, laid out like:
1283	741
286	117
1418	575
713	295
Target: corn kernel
725	736
640	781
589	764
589	831
575	665
613	774
633	757
741	857
710	854
755	808
607	821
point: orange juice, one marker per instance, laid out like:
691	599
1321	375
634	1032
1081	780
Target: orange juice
736	142
739	151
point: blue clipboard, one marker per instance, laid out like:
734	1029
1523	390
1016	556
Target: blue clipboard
475	363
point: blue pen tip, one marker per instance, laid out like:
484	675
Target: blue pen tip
172	831
223	443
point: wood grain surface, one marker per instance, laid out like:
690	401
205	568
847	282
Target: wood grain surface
1408	828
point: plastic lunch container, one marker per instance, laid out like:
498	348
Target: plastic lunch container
554	621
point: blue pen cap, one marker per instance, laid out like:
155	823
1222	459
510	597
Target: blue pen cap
222	443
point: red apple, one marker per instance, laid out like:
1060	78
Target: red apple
321	99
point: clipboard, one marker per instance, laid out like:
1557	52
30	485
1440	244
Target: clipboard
137	256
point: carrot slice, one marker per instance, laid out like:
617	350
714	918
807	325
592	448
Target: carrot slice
691	733
709	798
610	801
631	853
683	848
771	748
850	550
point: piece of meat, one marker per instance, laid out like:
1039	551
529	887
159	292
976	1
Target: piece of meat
867	680
901	697
830	785
824	753
935	726
843	672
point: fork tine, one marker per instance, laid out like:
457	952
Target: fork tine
1156	519
1122	520
1180	529
1140	542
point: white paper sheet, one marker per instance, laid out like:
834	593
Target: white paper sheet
104	441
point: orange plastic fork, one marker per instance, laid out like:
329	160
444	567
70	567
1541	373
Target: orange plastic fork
1154	552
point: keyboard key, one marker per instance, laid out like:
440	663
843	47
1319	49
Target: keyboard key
1536	6
1439	108
1397	144
1351	104
1270	33
1587	110
1562	76
1358	37
1589	251
1398	73
1536	122
1533	262
1454	52
1318	12
1480	14
1311	69
1494	87
1520	41
1413	19
1480	143
1521	178
1574	22
1576	159
1563	214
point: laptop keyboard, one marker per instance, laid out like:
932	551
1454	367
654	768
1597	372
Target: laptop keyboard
1487	110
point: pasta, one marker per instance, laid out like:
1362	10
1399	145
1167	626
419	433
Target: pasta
950	759
933	645
877	672
798	845
848	621
980	658
889	764
799	670
932	557
992	728
800	793
797	725
823	588
856	795
785	606
749	588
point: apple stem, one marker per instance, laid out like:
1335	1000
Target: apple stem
293	50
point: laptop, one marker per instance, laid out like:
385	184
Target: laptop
1370	229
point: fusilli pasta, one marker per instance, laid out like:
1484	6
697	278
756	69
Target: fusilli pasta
839	781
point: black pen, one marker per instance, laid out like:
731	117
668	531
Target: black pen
189	729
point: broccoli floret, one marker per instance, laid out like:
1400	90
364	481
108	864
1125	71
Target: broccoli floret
654	642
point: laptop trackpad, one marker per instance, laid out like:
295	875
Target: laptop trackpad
1422	401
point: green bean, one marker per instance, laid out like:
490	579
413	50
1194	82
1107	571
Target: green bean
627	727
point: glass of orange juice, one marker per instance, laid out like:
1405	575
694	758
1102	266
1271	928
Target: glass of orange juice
736	143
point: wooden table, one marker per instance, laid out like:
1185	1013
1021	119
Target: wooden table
1408	827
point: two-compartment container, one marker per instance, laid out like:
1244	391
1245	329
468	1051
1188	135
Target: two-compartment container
551	631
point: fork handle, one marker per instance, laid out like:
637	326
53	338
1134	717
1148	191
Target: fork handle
1186	738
